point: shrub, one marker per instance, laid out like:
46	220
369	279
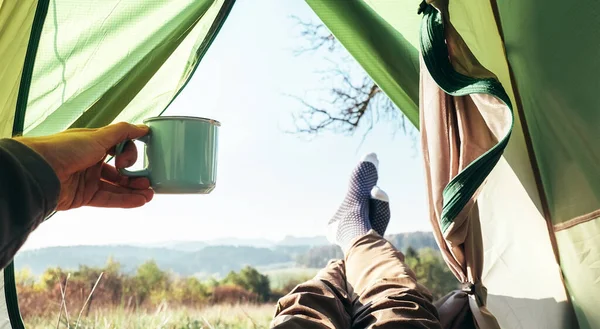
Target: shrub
231	294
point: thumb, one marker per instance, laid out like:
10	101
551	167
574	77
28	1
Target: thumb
114	134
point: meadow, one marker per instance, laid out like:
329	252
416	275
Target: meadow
235	316
113	296
151	298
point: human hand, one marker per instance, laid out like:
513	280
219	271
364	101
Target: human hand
77	156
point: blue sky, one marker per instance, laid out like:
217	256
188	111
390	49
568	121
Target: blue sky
270	183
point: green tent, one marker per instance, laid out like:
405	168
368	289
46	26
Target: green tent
70	63
519	224
502	92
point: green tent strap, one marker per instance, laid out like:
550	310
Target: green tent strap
435	55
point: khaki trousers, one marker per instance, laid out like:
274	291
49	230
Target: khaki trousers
371	288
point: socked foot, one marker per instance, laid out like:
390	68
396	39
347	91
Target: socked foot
365	206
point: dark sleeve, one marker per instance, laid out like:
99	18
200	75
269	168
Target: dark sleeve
29	192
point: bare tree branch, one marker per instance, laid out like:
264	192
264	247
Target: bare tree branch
317	35
353	101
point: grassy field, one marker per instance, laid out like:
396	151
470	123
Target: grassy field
240	316
279	278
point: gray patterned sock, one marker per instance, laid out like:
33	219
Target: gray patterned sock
379	207
352	218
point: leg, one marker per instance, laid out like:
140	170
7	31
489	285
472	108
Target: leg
320	303
385	291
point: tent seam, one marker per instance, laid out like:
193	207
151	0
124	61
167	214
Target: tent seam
27	73
532	157
10	288
528	144
203	48
577	220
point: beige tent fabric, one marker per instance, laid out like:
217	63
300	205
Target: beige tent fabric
454	132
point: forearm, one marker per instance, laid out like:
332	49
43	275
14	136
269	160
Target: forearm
29	192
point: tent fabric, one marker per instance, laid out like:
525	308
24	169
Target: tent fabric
85	64
18	35
4	315
523	279
88	64
110	59
465	125
556	72
16	18
525	285
386	55
580	261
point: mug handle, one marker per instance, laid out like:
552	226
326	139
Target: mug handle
119	149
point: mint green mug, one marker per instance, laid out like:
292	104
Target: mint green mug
180	155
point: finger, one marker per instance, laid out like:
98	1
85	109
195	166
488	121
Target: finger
106	186
113	196
139	183
128	157
112	150
110	174
78	130
105	199
114	134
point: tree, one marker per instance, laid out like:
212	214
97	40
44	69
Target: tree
250	279
25	278
190	291
150	281
52	277
431	271
354	98
412	253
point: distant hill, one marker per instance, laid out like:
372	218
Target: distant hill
70	257
416	240
303	241
259	243
204	258
292	241
177	245
211	260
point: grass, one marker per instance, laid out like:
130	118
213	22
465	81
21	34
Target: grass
279	278
239	316
165	316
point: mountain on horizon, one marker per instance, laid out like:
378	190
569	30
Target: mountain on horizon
192	245
290	240
204	258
